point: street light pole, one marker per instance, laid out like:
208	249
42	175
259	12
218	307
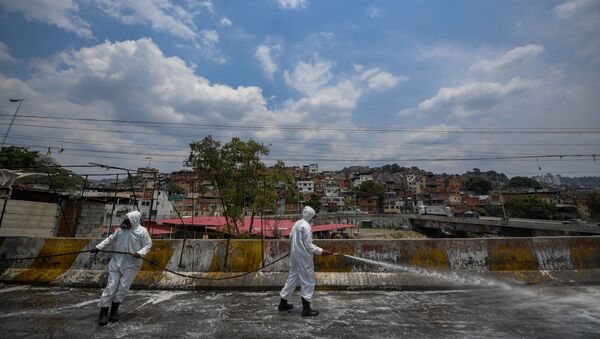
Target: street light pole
11	120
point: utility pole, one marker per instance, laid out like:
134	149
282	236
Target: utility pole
504	217
20	101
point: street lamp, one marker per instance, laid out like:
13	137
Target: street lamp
11	121
149	161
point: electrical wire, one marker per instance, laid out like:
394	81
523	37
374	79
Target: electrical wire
163	268
476	130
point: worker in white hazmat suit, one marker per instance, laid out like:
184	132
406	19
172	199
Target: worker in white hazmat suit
302	266
131	238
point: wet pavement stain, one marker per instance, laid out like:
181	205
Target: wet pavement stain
533	311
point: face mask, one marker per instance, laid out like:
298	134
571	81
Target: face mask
125	224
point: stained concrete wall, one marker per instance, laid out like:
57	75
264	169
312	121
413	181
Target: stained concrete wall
387	264
28	218
90	219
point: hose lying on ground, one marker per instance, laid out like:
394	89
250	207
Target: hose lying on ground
149	261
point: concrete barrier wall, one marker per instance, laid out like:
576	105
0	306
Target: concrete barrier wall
387	264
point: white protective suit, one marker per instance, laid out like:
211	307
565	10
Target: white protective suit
302	266
123	267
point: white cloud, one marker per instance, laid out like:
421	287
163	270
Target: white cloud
210	37
134	80
584	14
129	80
4	54
583	18
374	12
197	6
265	54
292	4
379	80
467	99
61	13
330	100
208	41
510	57
224	22
309	77
571	8
159	14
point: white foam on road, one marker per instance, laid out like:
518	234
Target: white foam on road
48	311
14	288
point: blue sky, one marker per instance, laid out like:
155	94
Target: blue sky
338	83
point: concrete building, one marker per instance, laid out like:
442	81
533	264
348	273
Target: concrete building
306	186
360	178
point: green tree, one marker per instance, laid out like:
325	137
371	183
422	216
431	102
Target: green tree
529	207
237	173
173	188
14	157
315	202
60	178
349	201
523	182
478	184
393	168
271	187
369	189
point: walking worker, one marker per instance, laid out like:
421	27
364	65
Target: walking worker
131	238
302	266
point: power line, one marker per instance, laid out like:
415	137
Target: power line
475	130
307	155
288	141
178	135
497	158
272	153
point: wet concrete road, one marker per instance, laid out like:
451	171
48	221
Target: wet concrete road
525	312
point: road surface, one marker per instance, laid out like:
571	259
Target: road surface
518	312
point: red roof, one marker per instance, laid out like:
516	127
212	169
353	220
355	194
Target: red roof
219	224
152	229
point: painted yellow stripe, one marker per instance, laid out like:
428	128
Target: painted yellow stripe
47	270
160	253
511	255
335	263
585	253
244	256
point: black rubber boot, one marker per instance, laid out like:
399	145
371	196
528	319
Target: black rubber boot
103	319
306	310
284	306
114	312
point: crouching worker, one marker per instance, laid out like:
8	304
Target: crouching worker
302	266
131	238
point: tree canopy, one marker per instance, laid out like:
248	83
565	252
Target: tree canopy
240	178
14	157
477	184
529	207
523	182
371	188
